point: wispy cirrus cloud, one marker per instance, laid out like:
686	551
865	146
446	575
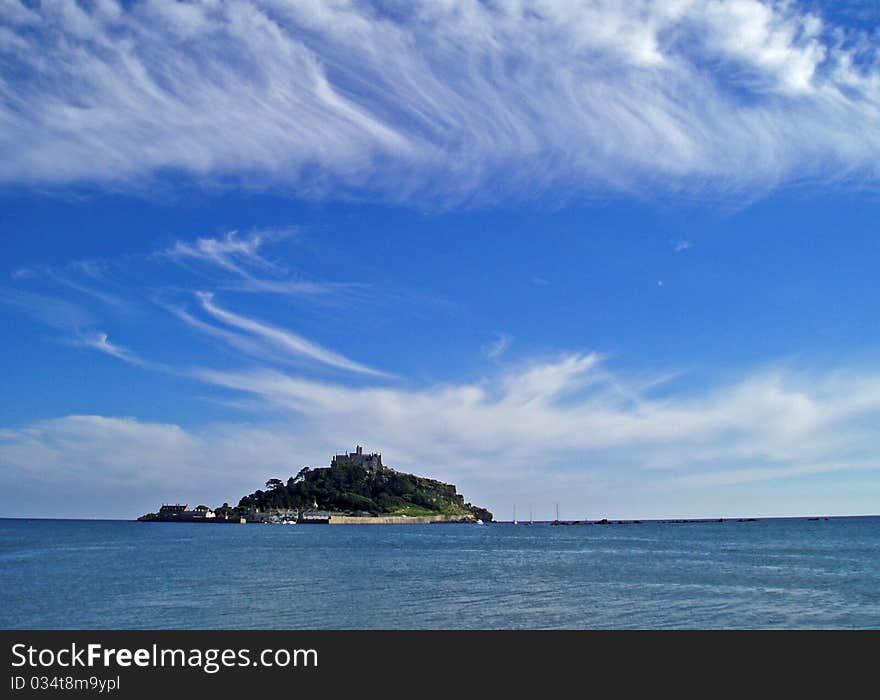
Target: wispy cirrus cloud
498	347
65	277
231	252
251	346
50	310
101	342
250	270
444	100
284	340
237	262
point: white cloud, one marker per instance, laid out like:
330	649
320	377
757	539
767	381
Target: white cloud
498	347
442	99
241	257
573	414
231	253
238	341
97	447
285	340
568	430
97	466
234	257
778	47
100	341
681	246
54	312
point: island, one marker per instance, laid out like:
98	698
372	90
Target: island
356	489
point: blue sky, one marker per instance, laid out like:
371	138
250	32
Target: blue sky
616	258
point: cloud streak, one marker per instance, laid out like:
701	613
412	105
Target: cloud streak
50	310
231	253
285	340
241	257
498	347
101	342
442	100
232	257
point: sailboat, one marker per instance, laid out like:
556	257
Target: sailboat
515	521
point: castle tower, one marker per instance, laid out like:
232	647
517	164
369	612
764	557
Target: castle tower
359	459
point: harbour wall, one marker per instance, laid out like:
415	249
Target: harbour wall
399	519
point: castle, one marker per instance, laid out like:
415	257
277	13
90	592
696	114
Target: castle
358	459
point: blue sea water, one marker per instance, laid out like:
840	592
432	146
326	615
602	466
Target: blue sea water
774	573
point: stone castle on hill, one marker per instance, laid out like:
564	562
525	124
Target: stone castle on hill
372	461
355	489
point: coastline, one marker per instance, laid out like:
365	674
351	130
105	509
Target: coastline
411	519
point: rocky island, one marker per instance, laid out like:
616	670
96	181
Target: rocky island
356	488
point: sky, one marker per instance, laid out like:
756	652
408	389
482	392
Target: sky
619	257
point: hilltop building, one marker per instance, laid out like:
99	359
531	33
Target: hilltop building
356	488
357	458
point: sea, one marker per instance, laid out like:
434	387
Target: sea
770	573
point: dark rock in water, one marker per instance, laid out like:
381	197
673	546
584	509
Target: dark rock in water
603	521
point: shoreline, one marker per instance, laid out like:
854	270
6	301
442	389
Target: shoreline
615	521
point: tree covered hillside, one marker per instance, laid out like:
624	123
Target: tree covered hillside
351	488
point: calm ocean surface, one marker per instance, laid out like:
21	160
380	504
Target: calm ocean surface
788	573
